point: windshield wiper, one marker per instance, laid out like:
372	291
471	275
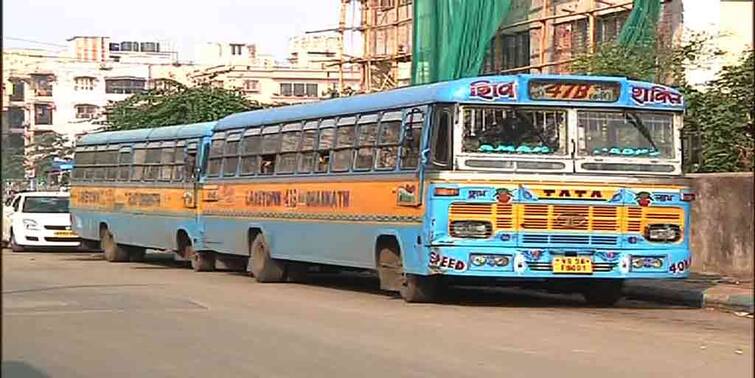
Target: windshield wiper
637	123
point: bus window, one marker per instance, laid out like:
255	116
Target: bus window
324	144
112	164
166	162
412	136
344	148
366	138
179	157
215	158
231	156
137	172
270	145
388	139
152	169
100	159
249	150
124	165
287	157
307	154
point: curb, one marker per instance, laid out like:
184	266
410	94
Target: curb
692	297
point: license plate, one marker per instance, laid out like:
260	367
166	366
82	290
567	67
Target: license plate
572	265
66	234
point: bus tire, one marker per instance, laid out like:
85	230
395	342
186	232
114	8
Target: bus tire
603	292
113	251
390	269
260	265
202	261
419	289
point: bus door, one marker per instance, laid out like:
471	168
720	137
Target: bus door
191	172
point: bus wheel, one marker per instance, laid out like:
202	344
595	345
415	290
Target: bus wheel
201	261
420	289
603	293
113	252
136	254
390	269
263	267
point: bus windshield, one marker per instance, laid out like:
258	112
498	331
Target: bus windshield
626	134
498	130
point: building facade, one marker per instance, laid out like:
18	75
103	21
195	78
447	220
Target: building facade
544	36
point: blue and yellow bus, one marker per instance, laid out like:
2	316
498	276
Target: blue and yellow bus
570	180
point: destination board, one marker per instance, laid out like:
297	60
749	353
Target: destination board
563	90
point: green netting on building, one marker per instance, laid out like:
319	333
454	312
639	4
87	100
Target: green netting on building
451	37
640	28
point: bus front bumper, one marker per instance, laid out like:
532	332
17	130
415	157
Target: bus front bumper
556	262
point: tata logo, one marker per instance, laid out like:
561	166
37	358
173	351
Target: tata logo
572	193
570	220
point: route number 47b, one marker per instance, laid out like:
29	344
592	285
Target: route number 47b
680	266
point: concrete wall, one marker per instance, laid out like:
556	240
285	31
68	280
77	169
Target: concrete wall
722	224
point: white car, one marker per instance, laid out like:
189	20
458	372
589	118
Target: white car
38	220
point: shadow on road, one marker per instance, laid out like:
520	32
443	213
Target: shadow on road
367	283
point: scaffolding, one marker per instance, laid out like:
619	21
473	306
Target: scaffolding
385	28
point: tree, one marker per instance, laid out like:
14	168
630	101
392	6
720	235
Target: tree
44	148
720	118
173	104
13	157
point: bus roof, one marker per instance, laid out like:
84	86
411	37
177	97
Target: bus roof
460	91
192	130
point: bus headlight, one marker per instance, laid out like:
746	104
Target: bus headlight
663	233
652	262
471	229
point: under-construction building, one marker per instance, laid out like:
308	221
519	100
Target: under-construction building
537	36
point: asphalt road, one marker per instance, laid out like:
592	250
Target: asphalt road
75	315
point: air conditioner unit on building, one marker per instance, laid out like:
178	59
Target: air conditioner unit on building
105	67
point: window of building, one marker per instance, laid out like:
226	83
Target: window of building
16	117
84	83
42	84
125	86
298	90
507	51
86	111
608	26
251	85
149	47
42	114
18	91
129	46
236	48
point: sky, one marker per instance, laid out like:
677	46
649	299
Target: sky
269	23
